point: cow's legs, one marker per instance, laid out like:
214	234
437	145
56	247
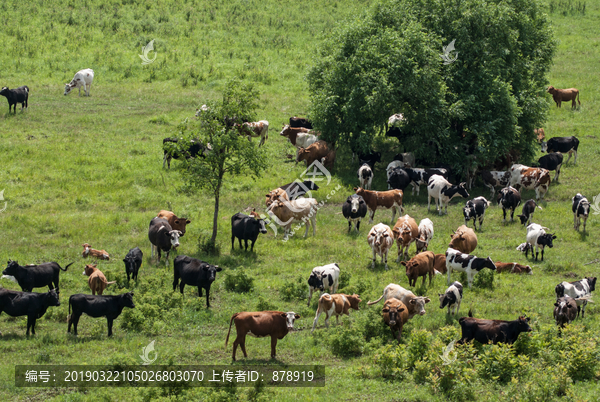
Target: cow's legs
207	293
384	255
557	173
319	312
393	214
374	258
327	317
583	308
89	87
371	216
400	248
273	346
74	320
357	225
181	286
31	323
349	225
245	244
109	321
575	226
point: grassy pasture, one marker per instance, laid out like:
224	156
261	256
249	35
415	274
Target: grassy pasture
78	169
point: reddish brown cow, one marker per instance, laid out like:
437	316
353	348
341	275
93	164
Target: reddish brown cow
314	152
464	240
439	264
385	199
540	135
97	281
406	231
395	315
275	195
337	305
560	95
513	268
99	254
420	265
275	324
175	222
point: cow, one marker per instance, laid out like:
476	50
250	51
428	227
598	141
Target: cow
33	305
175	222
365	176
14	96
314	152
35	276
581	210
537	237
560	95
439	264
328	161
97	306
510	198
471	265
337	305
565	310
395	315
407	159
277	194
496	331
513	268
420	265
327	276
162	238
580	290
563	145
82	78
425	234
420	176
442	192
246	228
173	149
97	281
414	304
275	324
475	209
529	178
405	232
398	179
133	262
452	298
527	212
99	254
380	239
370	159
494	178
540	135
300	122
254	129
463	239
354	209
298	136
288	212
550	162
391	199
194	272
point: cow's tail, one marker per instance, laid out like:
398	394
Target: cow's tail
539	207
69	316
578	98
376	301
110	283
230	322
67	267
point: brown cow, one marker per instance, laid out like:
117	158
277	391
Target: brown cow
560	95
314	152
99	254
414	304
329	160
420	265
565	310
540	135
405	232
513	268
275	324
175	222
395	315
97	281
337	305
439	264
464	240
385	199
277	194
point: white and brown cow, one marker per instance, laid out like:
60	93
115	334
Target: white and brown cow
405	232
255	129
300	137
337	305
513	268
425	234
278	194
314	152
415	304
381	239
494	178
299	210
529	178
381	199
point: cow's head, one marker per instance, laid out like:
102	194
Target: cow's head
522	268
488	263
523	324
562	306
461	190
89	269
379	236
127	300
4	91
544	145
290	317
355	202
592	283
302	154
523	219
315	280
418	303
52	298
546	239
359	191
469	211
393	313
68	88
130	263
180	224
584	206
354	301
210	272
551	90
276	195
11	268
173	236
559	290
444	300
421	245
86	247
409	266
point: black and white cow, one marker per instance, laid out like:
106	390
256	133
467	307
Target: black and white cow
194	272
35	276
527	212
246	228
537	237
471	265
563	145
133	262
365	176
494	178
14	96
354	209
327	276
370	159
162	237
420	176
580	290
33	305
581	210
510	198
475	209
552	161
297	188
398	179
452	297
442	192
97	306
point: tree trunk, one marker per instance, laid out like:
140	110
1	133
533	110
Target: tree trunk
216	214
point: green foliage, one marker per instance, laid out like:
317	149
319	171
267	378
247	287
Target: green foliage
567	7
344	280
238	281
484	279
499	363
345	342
294	289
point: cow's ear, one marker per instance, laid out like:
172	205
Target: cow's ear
412	301
284	315
124	260
296	316
385	310
556	304
218	268
553	237
401	309
187	221
403	263
427	300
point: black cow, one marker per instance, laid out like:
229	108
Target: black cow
370	159
194	272
527	212
300	122
33	305
97	306
563	145
552	161
581	210
133	262
510	198
246	228
35	276
297	189
173	150
354	209
420	176
14	96
475	209
496	331
399	179
162	237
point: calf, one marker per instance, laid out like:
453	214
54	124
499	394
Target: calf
391	199
420	176
14	96
97	281
174	149
275	324
298	136
471	265
581	210
513	268
395	315
301	209
194	272
381	239
97	306
414	304
540	134
99	254
175	222
420	265
82	78
550	162
246	228
510	198
162	237
442	192
496	331
463	239
529	178
439	264
537	237
133	262
328	161
527	212
365	176
565	310
398	179
314	152
327	276
33	305
337	305
563	145
354	209
493	179
254	129
35	276
425	234
475	209
560	95
452	298
580	290
405	232
300	122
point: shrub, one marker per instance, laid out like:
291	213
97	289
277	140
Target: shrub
484	279
346	342
238	281
344	279
264	305
294	289
499	363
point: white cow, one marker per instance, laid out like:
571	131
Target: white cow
83	78
327	276
425	234
537	237
381	239
442	192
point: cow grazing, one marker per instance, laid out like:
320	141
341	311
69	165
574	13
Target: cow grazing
439	264
513	268
398	179
314	152
442	192
540	135
300	122
493	179
420	265
565	310
475	209
14	96
384	199
463	239
425	234
414	304
471	265
99	254
162	237
564	145
97	306
529	178
173	149
254	129
337	305
33	305
581	210
97	281
277	194
133	262
564	95
275	324
420	176
354	209
327	276
82	78
405	233
246	228
194	272
496	331
395	315
580	290
381	239
298	136
35	276
370	159
527	212
537	237
299	210
452	298
510	198
550	162
365	176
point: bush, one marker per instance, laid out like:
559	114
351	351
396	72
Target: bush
484	279
346	342
294	289
207	246
237	281
499	363
344	279
264	305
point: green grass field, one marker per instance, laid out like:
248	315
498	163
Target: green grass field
77	169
